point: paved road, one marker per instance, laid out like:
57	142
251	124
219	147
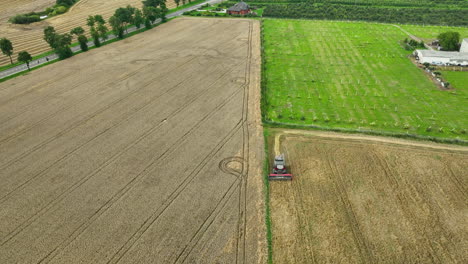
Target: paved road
38	62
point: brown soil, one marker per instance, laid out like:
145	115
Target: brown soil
30	37
359	199
148	150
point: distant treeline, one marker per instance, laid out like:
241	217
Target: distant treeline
433	12
401	3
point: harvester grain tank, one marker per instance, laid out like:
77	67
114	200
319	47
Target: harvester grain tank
280	171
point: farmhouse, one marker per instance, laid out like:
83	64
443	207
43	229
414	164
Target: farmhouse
240	8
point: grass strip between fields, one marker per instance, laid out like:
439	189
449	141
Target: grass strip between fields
266	187
266	166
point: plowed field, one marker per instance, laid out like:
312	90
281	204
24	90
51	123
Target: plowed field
30	37
359	199
148	150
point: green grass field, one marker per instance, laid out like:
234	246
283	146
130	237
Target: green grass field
431	32
353	75
459	80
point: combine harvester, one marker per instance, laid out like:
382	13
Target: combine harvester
279	170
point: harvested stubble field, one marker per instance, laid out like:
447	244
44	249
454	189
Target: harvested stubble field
30	37
361	199
148	150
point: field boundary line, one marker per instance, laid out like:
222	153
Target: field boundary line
389	140
359	238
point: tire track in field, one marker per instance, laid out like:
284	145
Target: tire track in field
241	176
50	205
361	242
137	179
60	110
401	196
298	194
457	182
205	226
242	224
242	189
172	197
59	92
26	153
4	197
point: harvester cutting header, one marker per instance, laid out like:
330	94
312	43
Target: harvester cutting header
280	172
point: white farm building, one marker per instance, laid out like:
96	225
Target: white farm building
464	45
444	57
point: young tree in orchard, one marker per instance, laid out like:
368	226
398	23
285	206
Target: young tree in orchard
25	57
177	2
7	48
117	26
138	18
449	40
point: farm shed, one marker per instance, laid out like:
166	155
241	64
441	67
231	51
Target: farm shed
464	45
442	57
240	8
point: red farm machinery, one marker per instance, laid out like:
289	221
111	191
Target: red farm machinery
280	171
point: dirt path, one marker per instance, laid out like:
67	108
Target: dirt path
147	149
425	144
413	37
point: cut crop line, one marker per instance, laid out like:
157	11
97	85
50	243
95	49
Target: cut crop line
69	106
242	224
359	238
187	250
402	197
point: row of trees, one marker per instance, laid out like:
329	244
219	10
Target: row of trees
395	3
451	17
123	17
7	49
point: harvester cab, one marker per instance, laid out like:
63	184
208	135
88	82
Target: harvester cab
280	171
